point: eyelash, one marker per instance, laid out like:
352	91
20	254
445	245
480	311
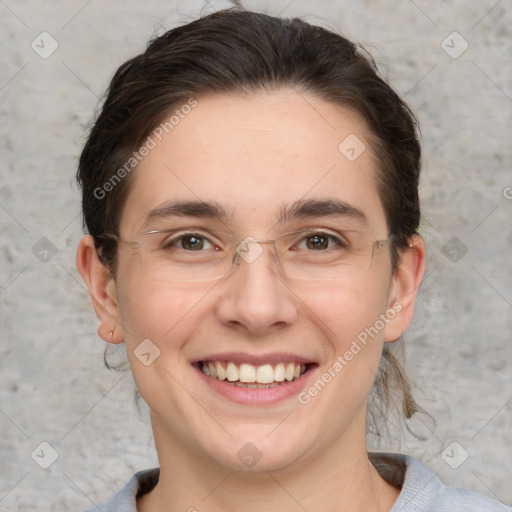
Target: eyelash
172	241
338	242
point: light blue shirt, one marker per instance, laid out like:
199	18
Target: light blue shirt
421	490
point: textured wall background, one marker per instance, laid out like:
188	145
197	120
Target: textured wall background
54	388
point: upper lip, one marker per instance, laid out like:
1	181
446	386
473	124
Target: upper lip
255	359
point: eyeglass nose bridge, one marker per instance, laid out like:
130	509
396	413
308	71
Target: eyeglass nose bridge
250	249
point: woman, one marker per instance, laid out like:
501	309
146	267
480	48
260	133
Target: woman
250	189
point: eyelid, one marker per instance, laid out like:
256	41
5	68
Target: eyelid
333	228
341	234
337	238
208	233
175	235
191	230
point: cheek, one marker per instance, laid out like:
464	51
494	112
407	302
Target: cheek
350	315
344	311
160	311
148	308
158	319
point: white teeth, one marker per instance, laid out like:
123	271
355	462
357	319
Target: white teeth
247	373
221	373
212	370
232	372
265	374
279	372
255	385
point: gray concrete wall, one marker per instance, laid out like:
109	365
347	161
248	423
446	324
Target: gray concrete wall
54	388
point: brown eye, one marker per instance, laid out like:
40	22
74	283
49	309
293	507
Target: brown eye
318	242
192	242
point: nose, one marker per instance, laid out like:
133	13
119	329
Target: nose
255	297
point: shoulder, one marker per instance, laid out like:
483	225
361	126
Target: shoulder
126	499
423	491
455	499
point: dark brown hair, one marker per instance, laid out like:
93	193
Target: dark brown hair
241	52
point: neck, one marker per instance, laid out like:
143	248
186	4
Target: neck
341	475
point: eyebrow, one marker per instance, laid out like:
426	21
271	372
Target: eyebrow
198	209
310	208
302	209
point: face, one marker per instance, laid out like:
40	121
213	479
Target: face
253	156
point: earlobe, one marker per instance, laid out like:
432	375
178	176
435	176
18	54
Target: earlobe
404	288
102	289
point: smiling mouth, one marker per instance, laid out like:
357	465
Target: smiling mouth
246	375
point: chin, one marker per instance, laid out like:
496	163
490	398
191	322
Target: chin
256	452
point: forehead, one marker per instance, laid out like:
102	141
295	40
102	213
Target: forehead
257	155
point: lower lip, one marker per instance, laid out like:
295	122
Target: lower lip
255	396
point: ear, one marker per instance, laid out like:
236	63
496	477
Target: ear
102	288
404	288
